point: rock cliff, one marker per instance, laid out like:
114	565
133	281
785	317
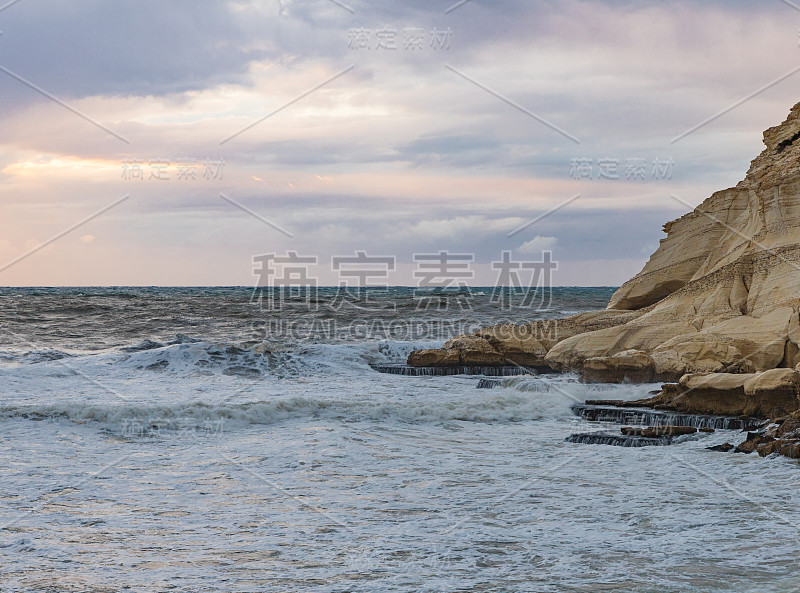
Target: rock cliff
719	295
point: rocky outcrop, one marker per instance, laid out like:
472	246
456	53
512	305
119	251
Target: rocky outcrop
683	252
770	394
781	437
630	366
524	344
719	295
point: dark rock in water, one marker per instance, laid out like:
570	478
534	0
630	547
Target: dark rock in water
772	438
645	417
489	383
706	429
489	371
658	431
791	450
765	449
753	425
607	438
725	447
789	427
754	439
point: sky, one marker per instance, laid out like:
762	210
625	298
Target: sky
171	143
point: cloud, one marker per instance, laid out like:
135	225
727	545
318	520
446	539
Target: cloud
126	48
397	155
472	226
537	245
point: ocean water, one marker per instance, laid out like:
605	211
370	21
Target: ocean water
198	440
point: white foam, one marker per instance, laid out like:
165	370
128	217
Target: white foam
433	403
319	468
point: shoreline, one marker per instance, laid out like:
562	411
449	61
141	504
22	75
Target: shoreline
660	416
713	315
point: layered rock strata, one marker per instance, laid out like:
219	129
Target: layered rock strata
770	394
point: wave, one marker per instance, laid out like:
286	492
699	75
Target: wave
148	344
571	387
186	358
263	358
147	419
33	356
185	384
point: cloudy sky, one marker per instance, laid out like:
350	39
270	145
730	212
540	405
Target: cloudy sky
239	128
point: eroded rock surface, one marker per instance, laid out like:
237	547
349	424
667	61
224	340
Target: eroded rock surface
524	344
769	394
781	437
632	366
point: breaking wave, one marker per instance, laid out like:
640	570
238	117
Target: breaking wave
499	406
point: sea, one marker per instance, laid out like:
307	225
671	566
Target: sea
228	440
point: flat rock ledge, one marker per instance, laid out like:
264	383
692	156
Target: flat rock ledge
742	398
489	371
648	436
770	394
607	411
619	440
